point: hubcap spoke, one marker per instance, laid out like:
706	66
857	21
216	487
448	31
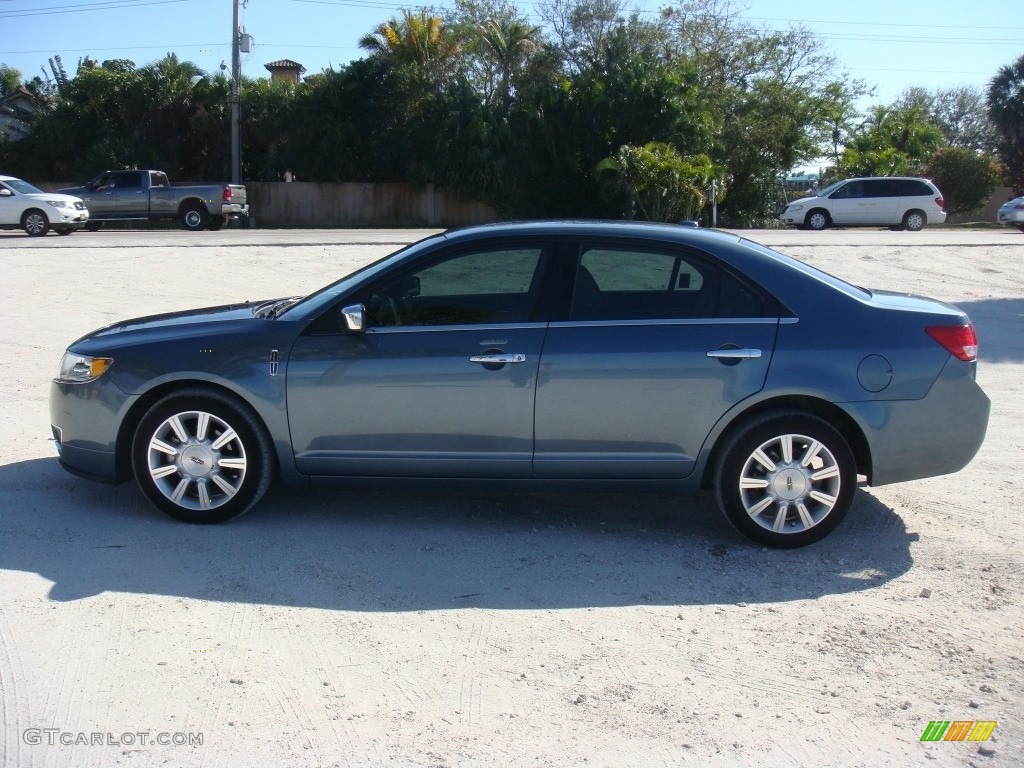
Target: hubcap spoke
159	445
780	518
202	424
224	485
178	428
165	471
224	439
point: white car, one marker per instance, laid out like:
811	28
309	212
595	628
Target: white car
1011	213
897	202
22	206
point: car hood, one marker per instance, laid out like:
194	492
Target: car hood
175	324
42	197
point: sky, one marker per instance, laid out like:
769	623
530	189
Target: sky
891	44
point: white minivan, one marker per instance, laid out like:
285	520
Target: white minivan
897	202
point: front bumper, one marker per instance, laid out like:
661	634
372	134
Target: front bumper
84	421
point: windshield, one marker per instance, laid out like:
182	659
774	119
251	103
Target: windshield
328	292
828	190
22	187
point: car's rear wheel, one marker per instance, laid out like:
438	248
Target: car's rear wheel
64	231
194	218
786	479
35	223
201	456
914	220
215	223
94	226
818	219
1020	227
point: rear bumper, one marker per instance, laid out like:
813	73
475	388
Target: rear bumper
936	435
233	210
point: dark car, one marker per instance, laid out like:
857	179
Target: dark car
603	356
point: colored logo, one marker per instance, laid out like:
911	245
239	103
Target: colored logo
958	730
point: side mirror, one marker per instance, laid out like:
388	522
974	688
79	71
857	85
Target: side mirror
355	317
6	193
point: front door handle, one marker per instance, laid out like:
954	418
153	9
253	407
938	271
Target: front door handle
735	354
499	359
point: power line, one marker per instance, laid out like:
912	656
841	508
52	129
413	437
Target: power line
109	5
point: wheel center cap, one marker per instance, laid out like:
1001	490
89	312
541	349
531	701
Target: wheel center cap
790	484
197	461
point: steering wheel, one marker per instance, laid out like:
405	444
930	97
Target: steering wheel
385	309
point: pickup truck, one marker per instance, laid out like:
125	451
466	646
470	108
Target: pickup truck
143	195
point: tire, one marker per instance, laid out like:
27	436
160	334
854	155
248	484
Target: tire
194	217
94	226
914	220
818	219
215	223
1020	227
201	456
35	223
65	231
779	502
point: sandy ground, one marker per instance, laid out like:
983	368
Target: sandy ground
387	629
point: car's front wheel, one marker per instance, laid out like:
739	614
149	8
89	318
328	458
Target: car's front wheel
786	479
817	219
35	223
201	456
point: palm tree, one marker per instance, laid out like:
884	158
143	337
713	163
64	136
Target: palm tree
509	40
1006	108
417	39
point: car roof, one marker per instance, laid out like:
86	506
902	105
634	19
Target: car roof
644	230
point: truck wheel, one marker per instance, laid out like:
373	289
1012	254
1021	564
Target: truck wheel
215	223
194	218
35	223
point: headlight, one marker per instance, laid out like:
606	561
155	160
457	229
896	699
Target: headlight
791	208
59	204
79	369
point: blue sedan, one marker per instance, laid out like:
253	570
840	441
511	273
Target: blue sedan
533	356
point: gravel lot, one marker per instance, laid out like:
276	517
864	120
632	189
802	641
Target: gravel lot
395	629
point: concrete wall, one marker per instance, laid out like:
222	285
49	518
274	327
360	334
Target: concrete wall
312	204
988	213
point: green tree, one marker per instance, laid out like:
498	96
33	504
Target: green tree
966	178
660	183
892	142
960	113
10	79
1006	109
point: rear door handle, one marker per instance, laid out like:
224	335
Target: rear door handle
501	359
735	354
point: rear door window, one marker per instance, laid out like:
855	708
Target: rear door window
639	283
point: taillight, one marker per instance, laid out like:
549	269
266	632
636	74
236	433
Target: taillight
959	340
940	201
226	197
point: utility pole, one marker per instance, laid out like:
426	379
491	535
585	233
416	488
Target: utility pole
236	100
